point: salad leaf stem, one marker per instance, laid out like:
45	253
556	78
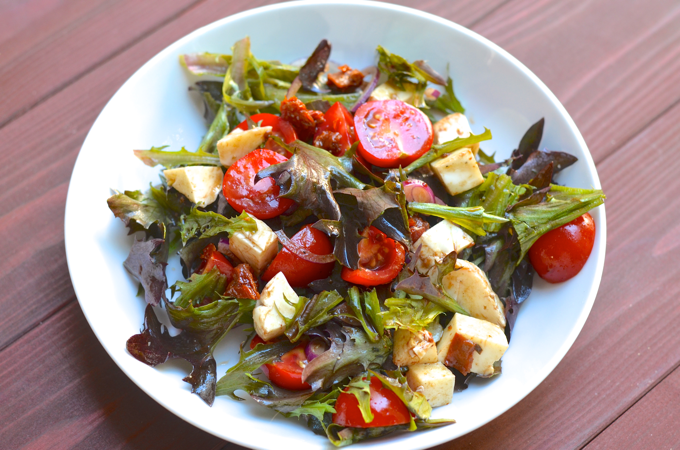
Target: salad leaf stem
472	218
447	147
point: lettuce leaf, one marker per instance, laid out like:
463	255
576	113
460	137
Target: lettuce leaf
146	263
423	287
205	63
310	313
564	204
440	150
448	103
472	219
351	352
361	308
360	387
236	89
306	178
202	327
169	160
239	376
205	224
411	314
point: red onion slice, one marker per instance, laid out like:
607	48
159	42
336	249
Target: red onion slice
369	89
315	348
302	252
294	87
418	191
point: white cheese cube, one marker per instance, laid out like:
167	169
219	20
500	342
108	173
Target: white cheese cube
388	91
470	288
458	172
413	348
200	184
257	248
434	381
272	306
239	143
451	127
439	241
472	345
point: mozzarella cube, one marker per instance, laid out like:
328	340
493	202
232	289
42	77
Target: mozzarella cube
200	184
239	143
439	241
434	381
257	248
472	345
470	288
413	348
451	127
388	91
458	172
276	302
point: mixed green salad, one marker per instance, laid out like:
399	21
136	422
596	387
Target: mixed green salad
349	221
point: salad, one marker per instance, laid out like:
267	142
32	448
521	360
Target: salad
350	223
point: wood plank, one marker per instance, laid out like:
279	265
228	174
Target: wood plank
64	121
630	340
602	65
48	44
650	423
59	389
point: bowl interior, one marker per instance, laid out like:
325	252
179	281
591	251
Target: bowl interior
154	108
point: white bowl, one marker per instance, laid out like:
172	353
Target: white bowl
154	108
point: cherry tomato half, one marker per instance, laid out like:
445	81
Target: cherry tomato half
212	258
392	133
386	407
300	272
260	199
286	373
336	134
280	127
560	254
381	260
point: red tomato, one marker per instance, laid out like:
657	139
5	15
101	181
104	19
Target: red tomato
280	127
336	134
300	272
381	260
213	258
260	199
386	407
286	373
560	254
392	133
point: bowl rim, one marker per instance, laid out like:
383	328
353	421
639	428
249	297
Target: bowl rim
602	228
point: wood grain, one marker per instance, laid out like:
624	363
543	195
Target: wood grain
650	423
631	338
59	389
614	64
53	43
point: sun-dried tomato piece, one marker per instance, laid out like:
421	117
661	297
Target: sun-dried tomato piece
347	79
417	226
329	140
242	284
303	120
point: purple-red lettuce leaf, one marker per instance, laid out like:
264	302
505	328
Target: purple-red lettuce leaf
146	263
315	64
538	161
528	144
351	352
203	328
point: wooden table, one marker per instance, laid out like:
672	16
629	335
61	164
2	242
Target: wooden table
614	64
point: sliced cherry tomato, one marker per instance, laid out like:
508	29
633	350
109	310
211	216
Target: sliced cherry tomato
392	133
286	373
560	254
337	133
280	127
381	260
386	407
212	258
300	272
260	199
